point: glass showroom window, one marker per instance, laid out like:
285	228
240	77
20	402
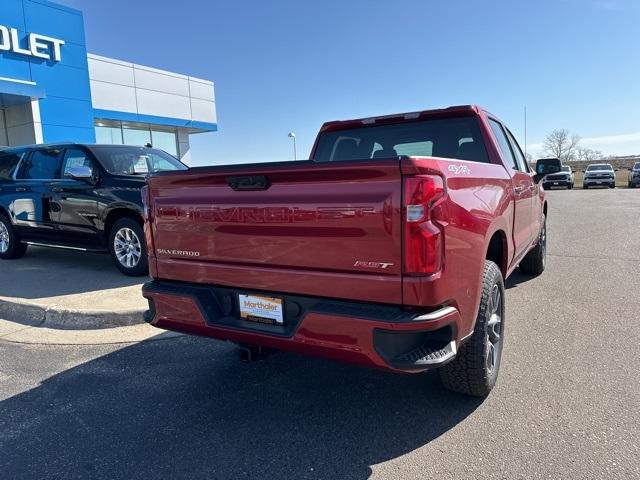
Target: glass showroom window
165	140
118	133
110	135
4	140
136	136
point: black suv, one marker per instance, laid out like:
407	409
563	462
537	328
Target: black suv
84	197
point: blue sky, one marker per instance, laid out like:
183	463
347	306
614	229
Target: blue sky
287	65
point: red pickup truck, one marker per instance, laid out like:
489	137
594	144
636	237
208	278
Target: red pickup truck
387	248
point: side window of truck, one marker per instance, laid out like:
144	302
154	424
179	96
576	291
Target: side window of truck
522	162
503	143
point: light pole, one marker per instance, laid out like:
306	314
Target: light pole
525	131
295	153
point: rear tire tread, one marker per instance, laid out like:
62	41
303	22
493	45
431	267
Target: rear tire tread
534	262
467	373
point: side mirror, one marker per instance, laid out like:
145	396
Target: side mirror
84	174
546	166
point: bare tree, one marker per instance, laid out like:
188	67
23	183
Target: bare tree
561	144
588	154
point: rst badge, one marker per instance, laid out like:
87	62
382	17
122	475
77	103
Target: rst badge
380	265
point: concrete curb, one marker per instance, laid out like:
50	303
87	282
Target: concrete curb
14	332
59	317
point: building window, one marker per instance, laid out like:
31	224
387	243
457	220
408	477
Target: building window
165	140
137	134
110	135
4	137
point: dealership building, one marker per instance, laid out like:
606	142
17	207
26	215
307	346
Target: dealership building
52	90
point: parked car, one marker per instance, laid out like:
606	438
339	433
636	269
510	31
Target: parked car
388	248
83	197
599	175
634	175
564	178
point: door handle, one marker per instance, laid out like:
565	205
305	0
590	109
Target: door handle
57	189
21	189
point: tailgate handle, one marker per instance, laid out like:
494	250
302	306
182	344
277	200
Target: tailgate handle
248	182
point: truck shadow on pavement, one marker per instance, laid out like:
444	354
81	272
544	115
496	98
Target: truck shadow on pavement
189	408
516	278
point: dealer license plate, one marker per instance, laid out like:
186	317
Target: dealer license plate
263	309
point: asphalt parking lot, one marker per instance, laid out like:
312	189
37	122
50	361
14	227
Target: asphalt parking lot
567	403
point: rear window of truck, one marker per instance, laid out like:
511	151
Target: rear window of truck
449	138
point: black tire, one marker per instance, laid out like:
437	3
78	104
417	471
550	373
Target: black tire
474	371
128	247
613	185
10	245
570	186
584	187
535	261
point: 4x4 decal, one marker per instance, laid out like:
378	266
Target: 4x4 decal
460	169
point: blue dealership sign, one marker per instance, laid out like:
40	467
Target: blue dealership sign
43	57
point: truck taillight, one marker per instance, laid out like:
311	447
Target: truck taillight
145	203
422	237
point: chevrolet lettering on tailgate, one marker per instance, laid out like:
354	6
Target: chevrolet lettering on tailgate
263	214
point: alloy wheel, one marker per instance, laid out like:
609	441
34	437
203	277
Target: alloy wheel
4	238
127	247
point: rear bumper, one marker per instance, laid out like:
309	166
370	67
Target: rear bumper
371	335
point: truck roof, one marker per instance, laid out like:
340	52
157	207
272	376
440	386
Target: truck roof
393	118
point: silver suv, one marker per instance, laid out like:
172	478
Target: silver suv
599	175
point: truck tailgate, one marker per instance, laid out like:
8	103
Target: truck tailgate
330	230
